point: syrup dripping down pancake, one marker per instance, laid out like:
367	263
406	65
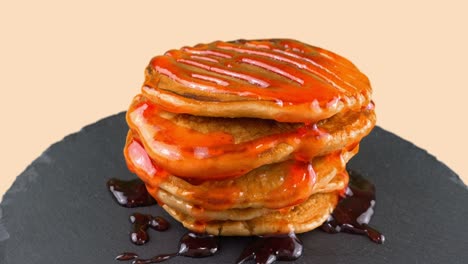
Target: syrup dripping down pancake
272	186
279	79
185	144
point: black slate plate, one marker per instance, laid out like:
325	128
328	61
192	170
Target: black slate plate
59	211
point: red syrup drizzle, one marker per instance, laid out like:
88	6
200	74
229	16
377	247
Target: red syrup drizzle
131	193
354	211
191	245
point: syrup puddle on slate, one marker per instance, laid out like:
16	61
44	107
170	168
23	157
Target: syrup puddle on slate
131	193
354	212
191	245
141	223
268	249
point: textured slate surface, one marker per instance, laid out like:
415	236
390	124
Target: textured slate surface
59	211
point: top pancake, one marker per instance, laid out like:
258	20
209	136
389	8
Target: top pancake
279	79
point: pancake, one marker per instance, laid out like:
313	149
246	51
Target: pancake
249	137
301	218
280	79
272	186
185	144
202	214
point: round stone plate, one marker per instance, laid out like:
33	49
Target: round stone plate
59	210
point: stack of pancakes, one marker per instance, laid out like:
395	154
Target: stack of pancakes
248	137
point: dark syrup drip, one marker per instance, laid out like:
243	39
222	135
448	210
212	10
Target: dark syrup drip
354	211
191	245
130	193
126	256
268	249
141	223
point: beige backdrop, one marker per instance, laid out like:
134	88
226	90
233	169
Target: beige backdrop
64	65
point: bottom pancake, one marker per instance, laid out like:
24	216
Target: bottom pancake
202	214
298	219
